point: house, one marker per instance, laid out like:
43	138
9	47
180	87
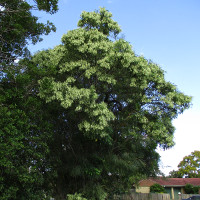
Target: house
173	186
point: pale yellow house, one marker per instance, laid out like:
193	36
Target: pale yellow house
173	186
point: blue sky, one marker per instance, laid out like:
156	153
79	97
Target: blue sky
165	31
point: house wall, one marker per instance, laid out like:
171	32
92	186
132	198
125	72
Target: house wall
182	190
143	189
172	191
177	191
169	191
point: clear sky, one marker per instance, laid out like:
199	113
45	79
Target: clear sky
165	31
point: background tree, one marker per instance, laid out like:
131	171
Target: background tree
189	167
25	132
113	109
174	174
18	27
24	127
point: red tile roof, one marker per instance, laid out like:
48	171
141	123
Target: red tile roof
170	181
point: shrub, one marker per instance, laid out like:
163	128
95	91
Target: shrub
191	189
157	188
75	197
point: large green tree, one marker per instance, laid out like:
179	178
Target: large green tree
113	108
189	167
83	117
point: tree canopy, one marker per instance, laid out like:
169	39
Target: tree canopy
189	167
23	132
116	108
18	26
98	113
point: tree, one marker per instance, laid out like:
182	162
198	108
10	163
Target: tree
24	127
25	132
157	188
174	174
189	167
18	26
113	109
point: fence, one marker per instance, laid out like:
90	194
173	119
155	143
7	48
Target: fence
142	196
185	196
150	196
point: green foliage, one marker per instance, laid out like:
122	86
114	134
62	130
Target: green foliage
18	27
25	130
157	188
101	20
24	133
50	6
115	109
190	189
98	113
175	174
189	167
75	197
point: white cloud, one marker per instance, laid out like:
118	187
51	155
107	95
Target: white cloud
187	137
